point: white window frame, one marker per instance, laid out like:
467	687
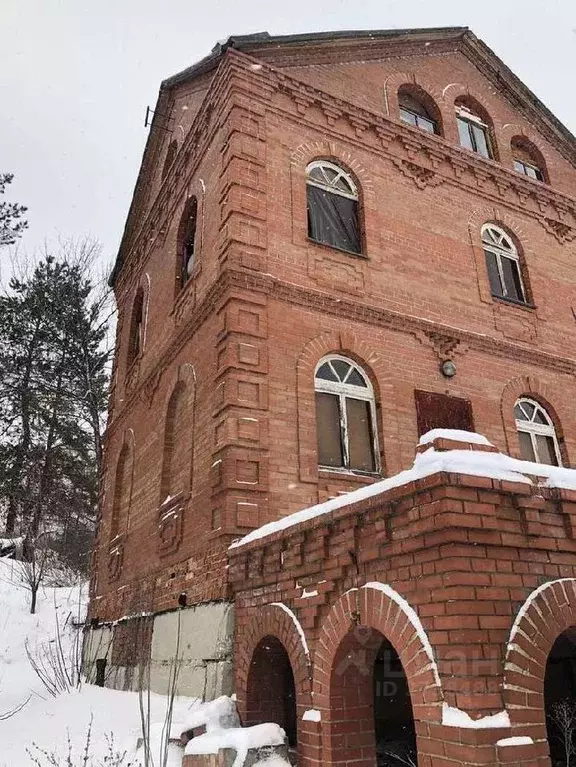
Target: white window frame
502	251
467	116
329	186
343	390
534	429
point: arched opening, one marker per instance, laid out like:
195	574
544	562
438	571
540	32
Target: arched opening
475	127
121	498
560	699
528	159
332	206
176	455
271	692
371	717
136	339
187	243
418	109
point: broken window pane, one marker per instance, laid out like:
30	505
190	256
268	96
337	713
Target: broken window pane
481	142
546	451
360	442
329	431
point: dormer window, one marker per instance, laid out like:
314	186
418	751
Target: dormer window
413	112
474	132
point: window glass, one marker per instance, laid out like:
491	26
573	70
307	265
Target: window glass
360	435
408	117
526	449
480	140
329	430
345	417
465	135
546	452
511	275
493	274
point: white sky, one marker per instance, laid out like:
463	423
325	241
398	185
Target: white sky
76	76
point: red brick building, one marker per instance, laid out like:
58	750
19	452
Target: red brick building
336	243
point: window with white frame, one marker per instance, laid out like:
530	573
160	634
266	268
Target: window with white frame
536	432
332	203
474	133
345	416
503	264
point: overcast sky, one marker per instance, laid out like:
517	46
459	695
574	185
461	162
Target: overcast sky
76	76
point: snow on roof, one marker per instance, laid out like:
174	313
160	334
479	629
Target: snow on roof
456	435
475	463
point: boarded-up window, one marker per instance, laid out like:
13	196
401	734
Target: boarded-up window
440	411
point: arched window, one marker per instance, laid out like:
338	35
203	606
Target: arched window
136	339
415	111
503	264
527	159
187	242
473	128
345	416
175	459
536	432
332	200
169	159
121	498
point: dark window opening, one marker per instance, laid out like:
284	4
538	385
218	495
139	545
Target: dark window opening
332	205
187	242
135	342
100	672
413	112
442	411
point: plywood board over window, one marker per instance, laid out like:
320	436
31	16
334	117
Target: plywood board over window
442	411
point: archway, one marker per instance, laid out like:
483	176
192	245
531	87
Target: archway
371	718
270	689
560	699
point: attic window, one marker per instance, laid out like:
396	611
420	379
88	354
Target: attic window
413	112
332	202
473	131
527	159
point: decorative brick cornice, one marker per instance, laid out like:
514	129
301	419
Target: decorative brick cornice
440	336
425	158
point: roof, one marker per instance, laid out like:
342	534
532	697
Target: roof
259	40
483	57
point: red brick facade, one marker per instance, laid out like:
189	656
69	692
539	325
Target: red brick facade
217	407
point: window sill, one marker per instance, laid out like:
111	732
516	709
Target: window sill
527	307
337	249
365	478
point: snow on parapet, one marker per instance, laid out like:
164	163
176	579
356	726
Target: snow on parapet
454	435
515	740
296	623
412	616
475	463
455	717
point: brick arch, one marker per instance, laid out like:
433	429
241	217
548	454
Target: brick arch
386	612
395	81
536	147
123	484
454	91
490	214
272	620
535	388
346	343
547	612
181	389
337	152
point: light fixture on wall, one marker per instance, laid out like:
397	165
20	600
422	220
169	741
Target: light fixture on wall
448	369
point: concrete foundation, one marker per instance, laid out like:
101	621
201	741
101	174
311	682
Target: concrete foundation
202	636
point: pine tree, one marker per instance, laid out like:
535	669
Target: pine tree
53	382
11	222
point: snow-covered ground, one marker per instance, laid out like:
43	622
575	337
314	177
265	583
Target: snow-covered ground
47	725
50	722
